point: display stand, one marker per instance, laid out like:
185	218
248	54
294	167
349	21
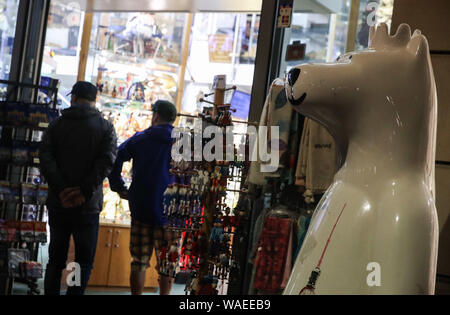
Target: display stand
22	191
196	206
212	198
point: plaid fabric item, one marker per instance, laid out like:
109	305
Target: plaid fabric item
143	239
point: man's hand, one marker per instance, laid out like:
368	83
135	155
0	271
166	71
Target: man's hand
71	197
123	194
63	195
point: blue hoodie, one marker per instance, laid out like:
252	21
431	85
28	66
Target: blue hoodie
151	154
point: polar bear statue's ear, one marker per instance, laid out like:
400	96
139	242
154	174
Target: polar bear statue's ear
418	46
379	37
403	35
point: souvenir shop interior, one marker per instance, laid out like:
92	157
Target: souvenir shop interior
229	216
240	229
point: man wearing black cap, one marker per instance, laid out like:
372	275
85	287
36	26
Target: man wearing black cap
77	153
151	154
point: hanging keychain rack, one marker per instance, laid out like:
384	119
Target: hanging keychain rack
234	87
234	121
197	204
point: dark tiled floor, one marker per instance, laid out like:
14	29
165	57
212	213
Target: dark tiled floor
22	289
177	289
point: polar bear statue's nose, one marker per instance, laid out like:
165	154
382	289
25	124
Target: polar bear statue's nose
293	76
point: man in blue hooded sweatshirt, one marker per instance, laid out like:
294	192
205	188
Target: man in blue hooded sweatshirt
150	151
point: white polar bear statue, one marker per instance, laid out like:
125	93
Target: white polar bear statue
375	231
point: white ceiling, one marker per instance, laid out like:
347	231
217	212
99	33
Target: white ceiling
318	6
168	5
312	6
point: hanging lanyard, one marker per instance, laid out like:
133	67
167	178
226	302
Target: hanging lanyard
310	287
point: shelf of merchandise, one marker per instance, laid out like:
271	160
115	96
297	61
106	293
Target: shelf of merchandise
17	205
121	58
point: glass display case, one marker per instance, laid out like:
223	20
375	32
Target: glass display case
134	60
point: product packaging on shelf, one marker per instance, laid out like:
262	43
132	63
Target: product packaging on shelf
22	114
30	270
42	194
40	232
13	231
33	153
27	231
37	115
5	153
15	192
5	192
29	193
15	258
20	152
29	213
3	230
16	113
31	231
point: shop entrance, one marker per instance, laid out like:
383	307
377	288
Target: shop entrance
136	57
137	52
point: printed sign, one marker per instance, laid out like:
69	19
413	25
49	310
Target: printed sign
295	51
219	82
220	47
285	13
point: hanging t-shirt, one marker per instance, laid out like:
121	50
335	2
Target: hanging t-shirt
316	164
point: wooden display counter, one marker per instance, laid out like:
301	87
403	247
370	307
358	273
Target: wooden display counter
112	259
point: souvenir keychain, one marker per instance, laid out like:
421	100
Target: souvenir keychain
227	220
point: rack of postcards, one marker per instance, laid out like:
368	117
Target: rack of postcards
197	210
23	193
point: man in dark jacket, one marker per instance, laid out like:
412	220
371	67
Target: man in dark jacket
151	154
77	153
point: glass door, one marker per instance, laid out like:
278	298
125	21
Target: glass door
62	46
8	18
322	25
323	31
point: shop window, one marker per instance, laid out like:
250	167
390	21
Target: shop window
370	12
324	34
62	46
134	59
8	17
221	43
